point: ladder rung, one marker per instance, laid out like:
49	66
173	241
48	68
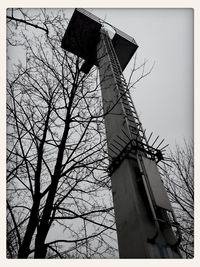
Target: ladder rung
128	96
123	80
121	85
134	113
135	118
127	99
128	112
119	80
132	119
130	100
127	108
131	108
128	104
134	127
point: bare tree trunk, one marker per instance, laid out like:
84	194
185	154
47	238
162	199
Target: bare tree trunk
24	249
43	228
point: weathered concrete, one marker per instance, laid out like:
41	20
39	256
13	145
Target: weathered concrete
135	225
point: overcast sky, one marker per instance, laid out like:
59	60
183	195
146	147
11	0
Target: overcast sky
164	100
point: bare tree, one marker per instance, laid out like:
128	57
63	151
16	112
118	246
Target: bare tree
58	190
179	182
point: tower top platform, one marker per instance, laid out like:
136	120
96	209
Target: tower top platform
82	35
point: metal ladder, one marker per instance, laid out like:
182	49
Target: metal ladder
134	124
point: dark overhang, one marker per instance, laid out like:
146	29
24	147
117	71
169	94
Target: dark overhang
82	35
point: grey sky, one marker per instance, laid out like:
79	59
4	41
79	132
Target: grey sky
164	100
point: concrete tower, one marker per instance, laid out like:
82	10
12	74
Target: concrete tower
146	225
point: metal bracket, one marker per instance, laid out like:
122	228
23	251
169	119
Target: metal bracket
132	147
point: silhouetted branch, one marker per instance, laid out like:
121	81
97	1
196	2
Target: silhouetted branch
28	23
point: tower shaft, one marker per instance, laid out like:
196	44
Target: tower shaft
144	217
144	229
